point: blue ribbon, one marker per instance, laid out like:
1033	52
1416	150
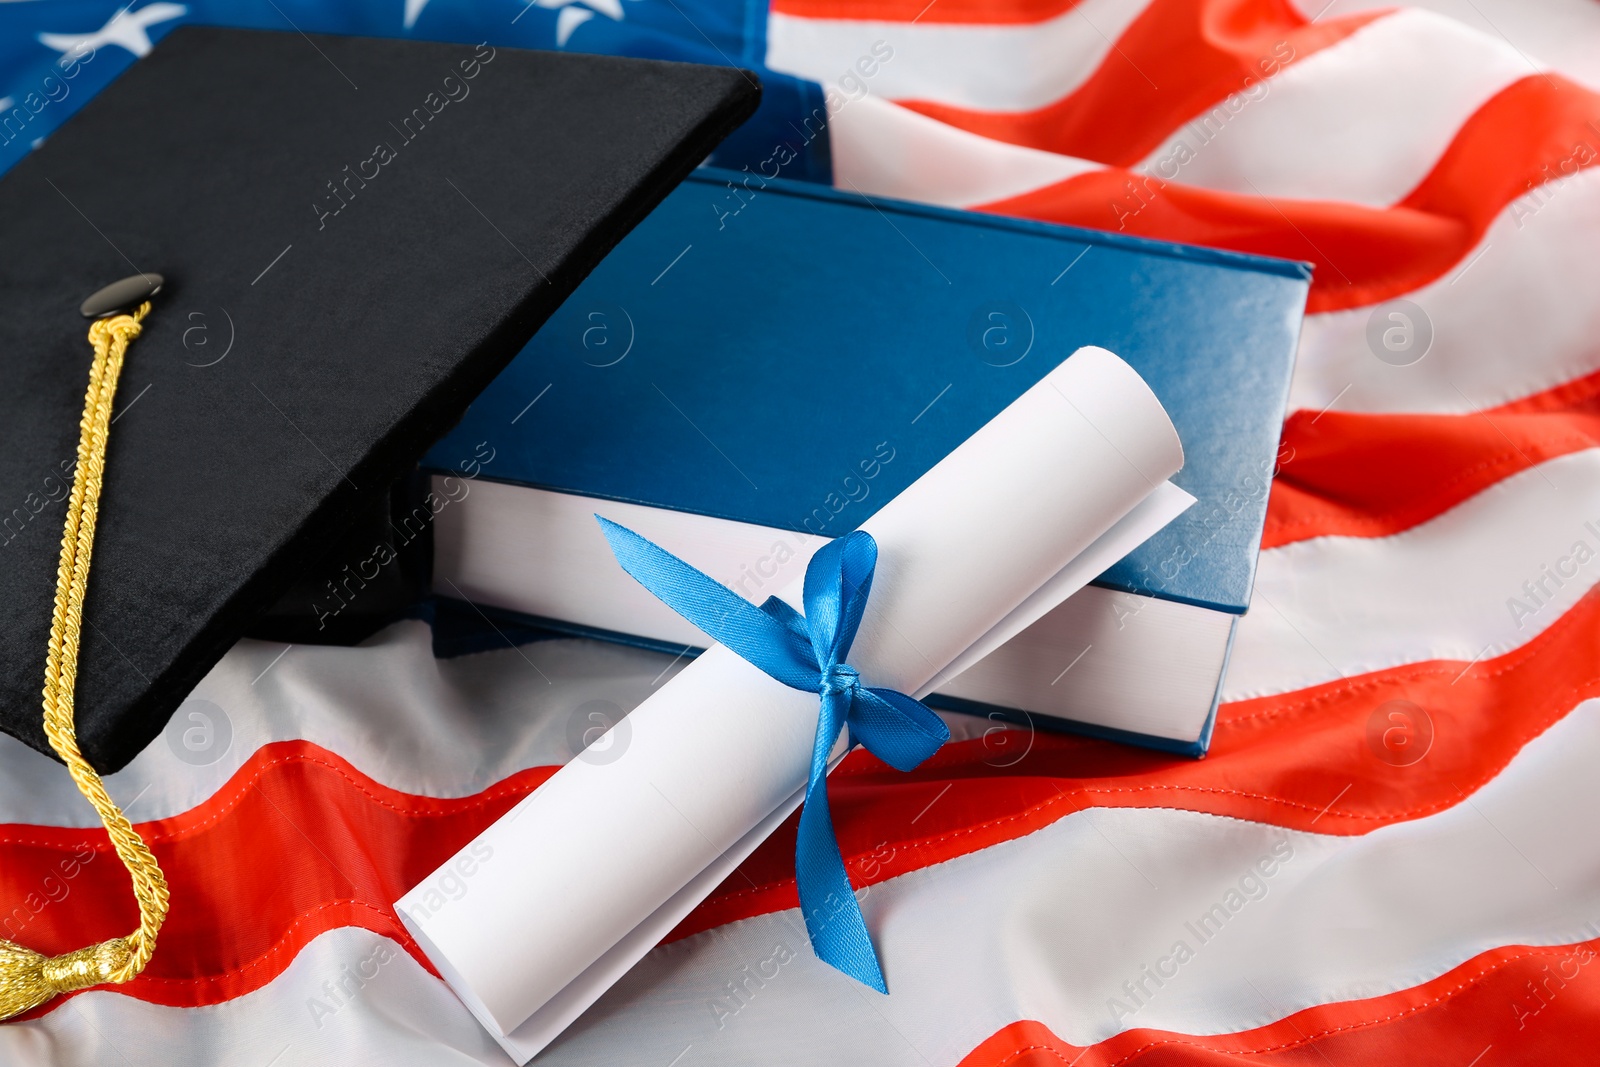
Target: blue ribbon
807	653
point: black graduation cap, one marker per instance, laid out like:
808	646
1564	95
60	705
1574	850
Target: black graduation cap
356	236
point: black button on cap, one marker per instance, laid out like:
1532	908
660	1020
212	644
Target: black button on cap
125	295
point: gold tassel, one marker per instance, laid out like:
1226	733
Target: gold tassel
28	979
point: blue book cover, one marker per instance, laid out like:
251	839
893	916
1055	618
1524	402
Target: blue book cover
792	356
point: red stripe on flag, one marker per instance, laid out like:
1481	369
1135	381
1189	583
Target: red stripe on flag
299	842
1357	475
1177	60
1363	255
1509	1005
970	12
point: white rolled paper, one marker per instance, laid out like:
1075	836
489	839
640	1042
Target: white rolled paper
548	907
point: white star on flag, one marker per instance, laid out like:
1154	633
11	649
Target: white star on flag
571	15
124	29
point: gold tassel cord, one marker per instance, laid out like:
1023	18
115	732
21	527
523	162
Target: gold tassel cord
27	978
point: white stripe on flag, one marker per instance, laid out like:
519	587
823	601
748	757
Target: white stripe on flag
1362	121
435	728
1012	67
1563	33
350	997
882	149
1050	927
1518	314
1449	588
443	728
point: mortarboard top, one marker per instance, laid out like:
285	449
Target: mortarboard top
356	235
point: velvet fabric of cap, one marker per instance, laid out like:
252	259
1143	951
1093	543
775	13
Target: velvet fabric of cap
356	236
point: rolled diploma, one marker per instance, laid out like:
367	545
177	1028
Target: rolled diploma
721	749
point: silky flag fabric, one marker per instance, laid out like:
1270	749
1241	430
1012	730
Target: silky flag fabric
1388	855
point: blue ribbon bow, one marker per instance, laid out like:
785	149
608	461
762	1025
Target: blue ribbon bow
807	653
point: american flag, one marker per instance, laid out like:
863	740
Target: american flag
1389	854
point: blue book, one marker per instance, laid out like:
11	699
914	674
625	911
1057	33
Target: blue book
760	365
